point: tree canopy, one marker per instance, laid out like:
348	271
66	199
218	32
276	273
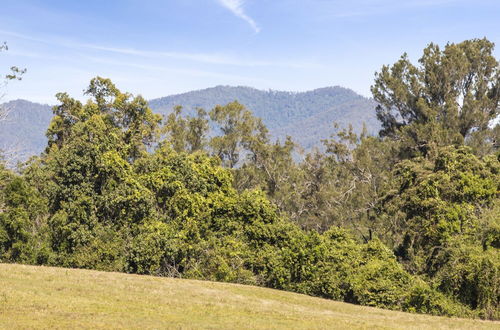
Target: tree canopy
408	220
450	97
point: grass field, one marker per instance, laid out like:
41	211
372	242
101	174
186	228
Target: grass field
43	297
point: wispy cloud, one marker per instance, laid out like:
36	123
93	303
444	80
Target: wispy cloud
155	68
208	58
203	57
236	7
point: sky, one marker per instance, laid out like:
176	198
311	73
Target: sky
161	47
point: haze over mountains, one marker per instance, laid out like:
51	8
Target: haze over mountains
306	116
22	134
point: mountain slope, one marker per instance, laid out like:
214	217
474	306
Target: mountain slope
306	116
22	134
44	297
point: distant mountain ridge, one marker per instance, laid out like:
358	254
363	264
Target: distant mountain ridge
306	116
22	134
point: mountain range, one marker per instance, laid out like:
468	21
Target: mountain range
305	116
22	134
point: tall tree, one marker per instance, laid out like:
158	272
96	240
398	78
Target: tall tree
186	133
131	115
239	130
449	98
270	167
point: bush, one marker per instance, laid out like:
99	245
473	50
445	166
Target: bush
423	299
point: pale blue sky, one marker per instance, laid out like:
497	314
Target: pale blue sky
158	48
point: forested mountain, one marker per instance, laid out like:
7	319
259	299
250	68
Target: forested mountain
22	134
307	116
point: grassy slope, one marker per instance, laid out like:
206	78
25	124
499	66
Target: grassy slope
35	297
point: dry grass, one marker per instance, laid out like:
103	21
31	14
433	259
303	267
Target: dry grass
43	297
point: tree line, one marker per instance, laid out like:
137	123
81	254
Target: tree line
408	220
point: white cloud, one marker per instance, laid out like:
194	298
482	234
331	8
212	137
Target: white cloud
213	58
208	58
155	68
236	7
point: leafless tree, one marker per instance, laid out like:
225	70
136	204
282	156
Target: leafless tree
15	74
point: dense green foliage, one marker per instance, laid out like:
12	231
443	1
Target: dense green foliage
210	196
449	99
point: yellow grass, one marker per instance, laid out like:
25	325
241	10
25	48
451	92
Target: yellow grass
44	297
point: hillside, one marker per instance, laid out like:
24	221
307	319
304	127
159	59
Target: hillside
306	116
44	297
23	133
